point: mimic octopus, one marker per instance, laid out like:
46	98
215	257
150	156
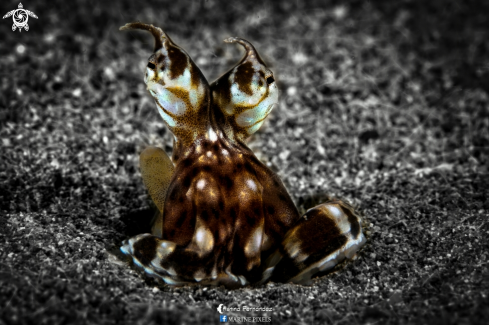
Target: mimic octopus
223	216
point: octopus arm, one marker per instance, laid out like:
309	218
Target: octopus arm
325	236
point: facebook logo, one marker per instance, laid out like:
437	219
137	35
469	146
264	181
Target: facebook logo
223	318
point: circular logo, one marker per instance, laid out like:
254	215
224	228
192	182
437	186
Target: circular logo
20	18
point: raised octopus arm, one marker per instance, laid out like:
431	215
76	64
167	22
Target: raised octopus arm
179	88
245	95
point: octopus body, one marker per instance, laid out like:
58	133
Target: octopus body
224	217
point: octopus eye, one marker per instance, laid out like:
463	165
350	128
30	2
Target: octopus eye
270	80
151	65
